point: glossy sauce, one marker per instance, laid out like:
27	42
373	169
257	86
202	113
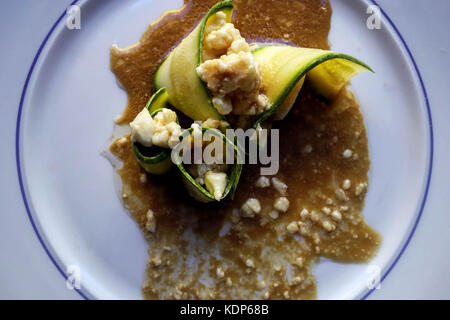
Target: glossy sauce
208	250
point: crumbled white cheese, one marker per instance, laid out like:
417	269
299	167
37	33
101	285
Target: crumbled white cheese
346	184
162	130
221	39
215	183
281	204
143	178
223	105
262	182
156	261
199	172
336	215
230	71
315	216
274	214
360	189
219	273
239	45
249	263
142	128
326	210
279	185
150	225
216	21
250	208
212	123
340	194
292	227
328	226
347	153
303	229
304	214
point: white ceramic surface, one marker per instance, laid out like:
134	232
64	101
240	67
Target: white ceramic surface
77	212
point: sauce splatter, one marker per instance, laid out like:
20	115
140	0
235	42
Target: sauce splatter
209	251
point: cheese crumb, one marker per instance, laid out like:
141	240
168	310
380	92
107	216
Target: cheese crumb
340	194
292	227
156	261
336	215
143	178
262	182
250	208
150	225
347	153
230	70
215	183
162	130
223	105
281	204
360	189
274	214
346	184
314	216
326	210
328	226
280	186
219	272
249	263
304	214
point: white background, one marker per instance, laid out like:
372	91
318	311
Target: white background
421	273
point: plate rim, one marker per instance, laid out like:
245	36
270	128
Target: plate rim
369	291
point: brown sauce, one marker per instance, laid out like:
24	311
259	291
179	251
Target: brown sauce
191	255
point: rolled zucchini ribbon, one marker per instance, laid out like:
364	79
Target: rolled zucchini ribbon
187	92
283	71
195	189
155	160
284	68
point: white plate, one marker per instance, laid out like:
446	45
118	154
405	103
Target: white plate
68	187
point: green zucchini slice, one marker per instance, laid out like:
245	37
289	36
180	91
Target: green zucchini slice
187	92
157	101
155	160
200	192
283	69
